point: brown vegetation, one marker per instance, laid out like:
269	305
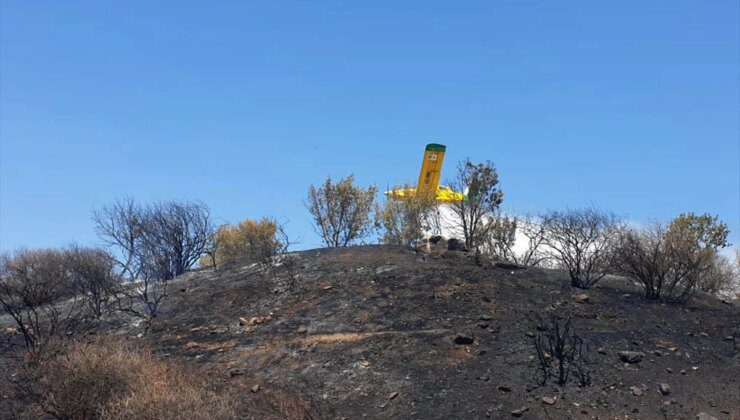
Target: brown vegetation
248	241
112	379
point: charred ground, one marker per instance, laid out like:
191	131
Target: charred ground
372	331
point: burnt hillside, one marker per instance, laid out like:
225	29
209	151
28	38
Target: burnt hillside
385	332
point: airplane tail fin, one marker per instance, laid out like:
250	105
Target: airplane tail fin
431	168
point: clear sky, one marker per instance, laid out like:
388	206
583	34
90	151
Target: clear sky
633	106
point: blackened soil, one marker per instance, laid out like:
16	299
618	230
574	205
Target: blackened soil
363	323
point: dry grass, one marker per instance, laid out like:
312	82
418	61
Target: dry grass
112	379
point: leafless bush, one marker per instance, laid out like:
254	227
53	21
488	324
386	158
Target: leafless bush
35	291
153	244
672	262
502	241
92	272
175	236
582	241
403	220
285	260
474	215
560	350
501	238
121	227
341	211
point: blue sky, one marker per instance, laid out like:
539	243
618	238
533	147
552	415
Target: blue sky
633	106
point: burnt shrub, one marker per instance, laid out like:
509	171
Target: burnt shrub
582	241
560	351
672	262
93	275
36	292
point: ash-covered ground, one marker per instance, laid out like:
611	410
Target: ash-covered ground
386	332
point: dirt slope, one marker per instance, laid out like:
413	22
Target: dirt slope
371	329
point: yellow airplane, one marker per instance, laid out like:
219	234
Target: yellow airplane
431	171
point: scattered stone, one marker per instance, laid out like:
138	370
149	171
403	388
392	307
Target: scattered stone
483	325
626	295
219	329
509	266
504	388
255	320
673	349
705	416
393	395
485	378
669	370
601	350
463	339
664	388
581	298
485	317
302	330
456	245
211	346
529	334
255	388
519	411
728	338
683	371
636	391
549	400
630	356
235	372
703	334
326	287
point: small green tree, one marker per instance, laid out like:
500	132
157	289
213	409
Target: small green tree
474	214
341	211
403	221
